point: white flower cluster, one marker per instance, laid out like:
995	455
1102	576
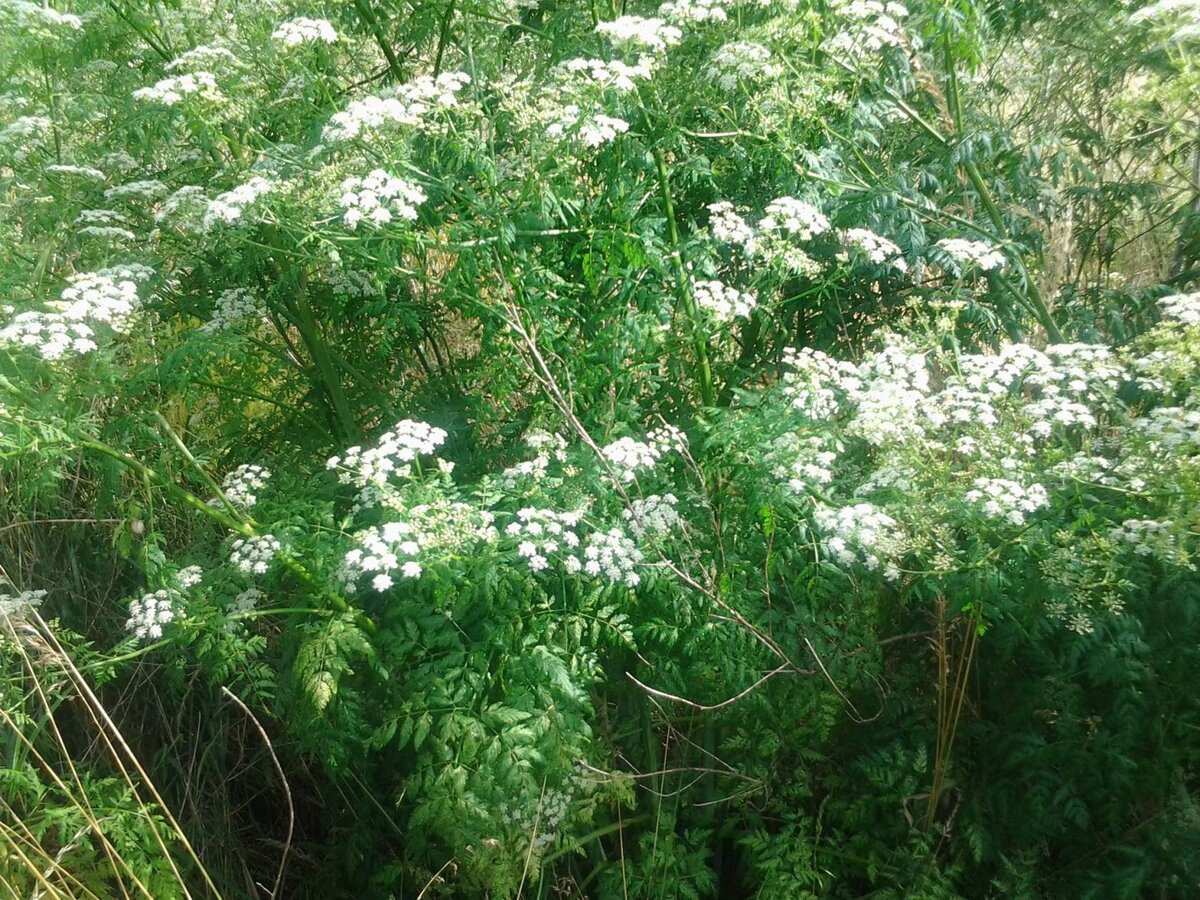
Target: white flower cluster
79	171
546	446
1148	537
786	219
668	439
41	19
104	296
815	382
797	218
871	25
204	56
189	204
544	534
98	220
1057	409
1170	427
728	227
640	32
379	198
627	455
18	135
393	453
395	549
1079	369
1002	498
966	254
253	555
653	515
409	104
861	533
809	461
149	613
891	401
51	334
381	552
1183	308
611	554
604	74
108	297
303	30
742	61
189	577
722	302
877	249
592	129
148	189
169	91
234	306
995	374
12	605
228	207
242	485
688	12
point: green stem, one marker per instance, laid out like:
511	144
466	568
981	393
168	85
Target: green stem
368	16
311	333
682	282
208	479
443	36
169	486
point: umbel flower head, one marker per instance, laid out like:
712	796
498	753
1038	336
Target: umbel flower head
393	454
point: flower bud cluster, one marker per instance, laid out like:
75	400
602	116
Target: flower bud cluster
742	61
232	307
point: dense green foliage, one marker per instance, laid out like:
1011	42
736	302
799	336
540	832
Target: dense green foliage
503	448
